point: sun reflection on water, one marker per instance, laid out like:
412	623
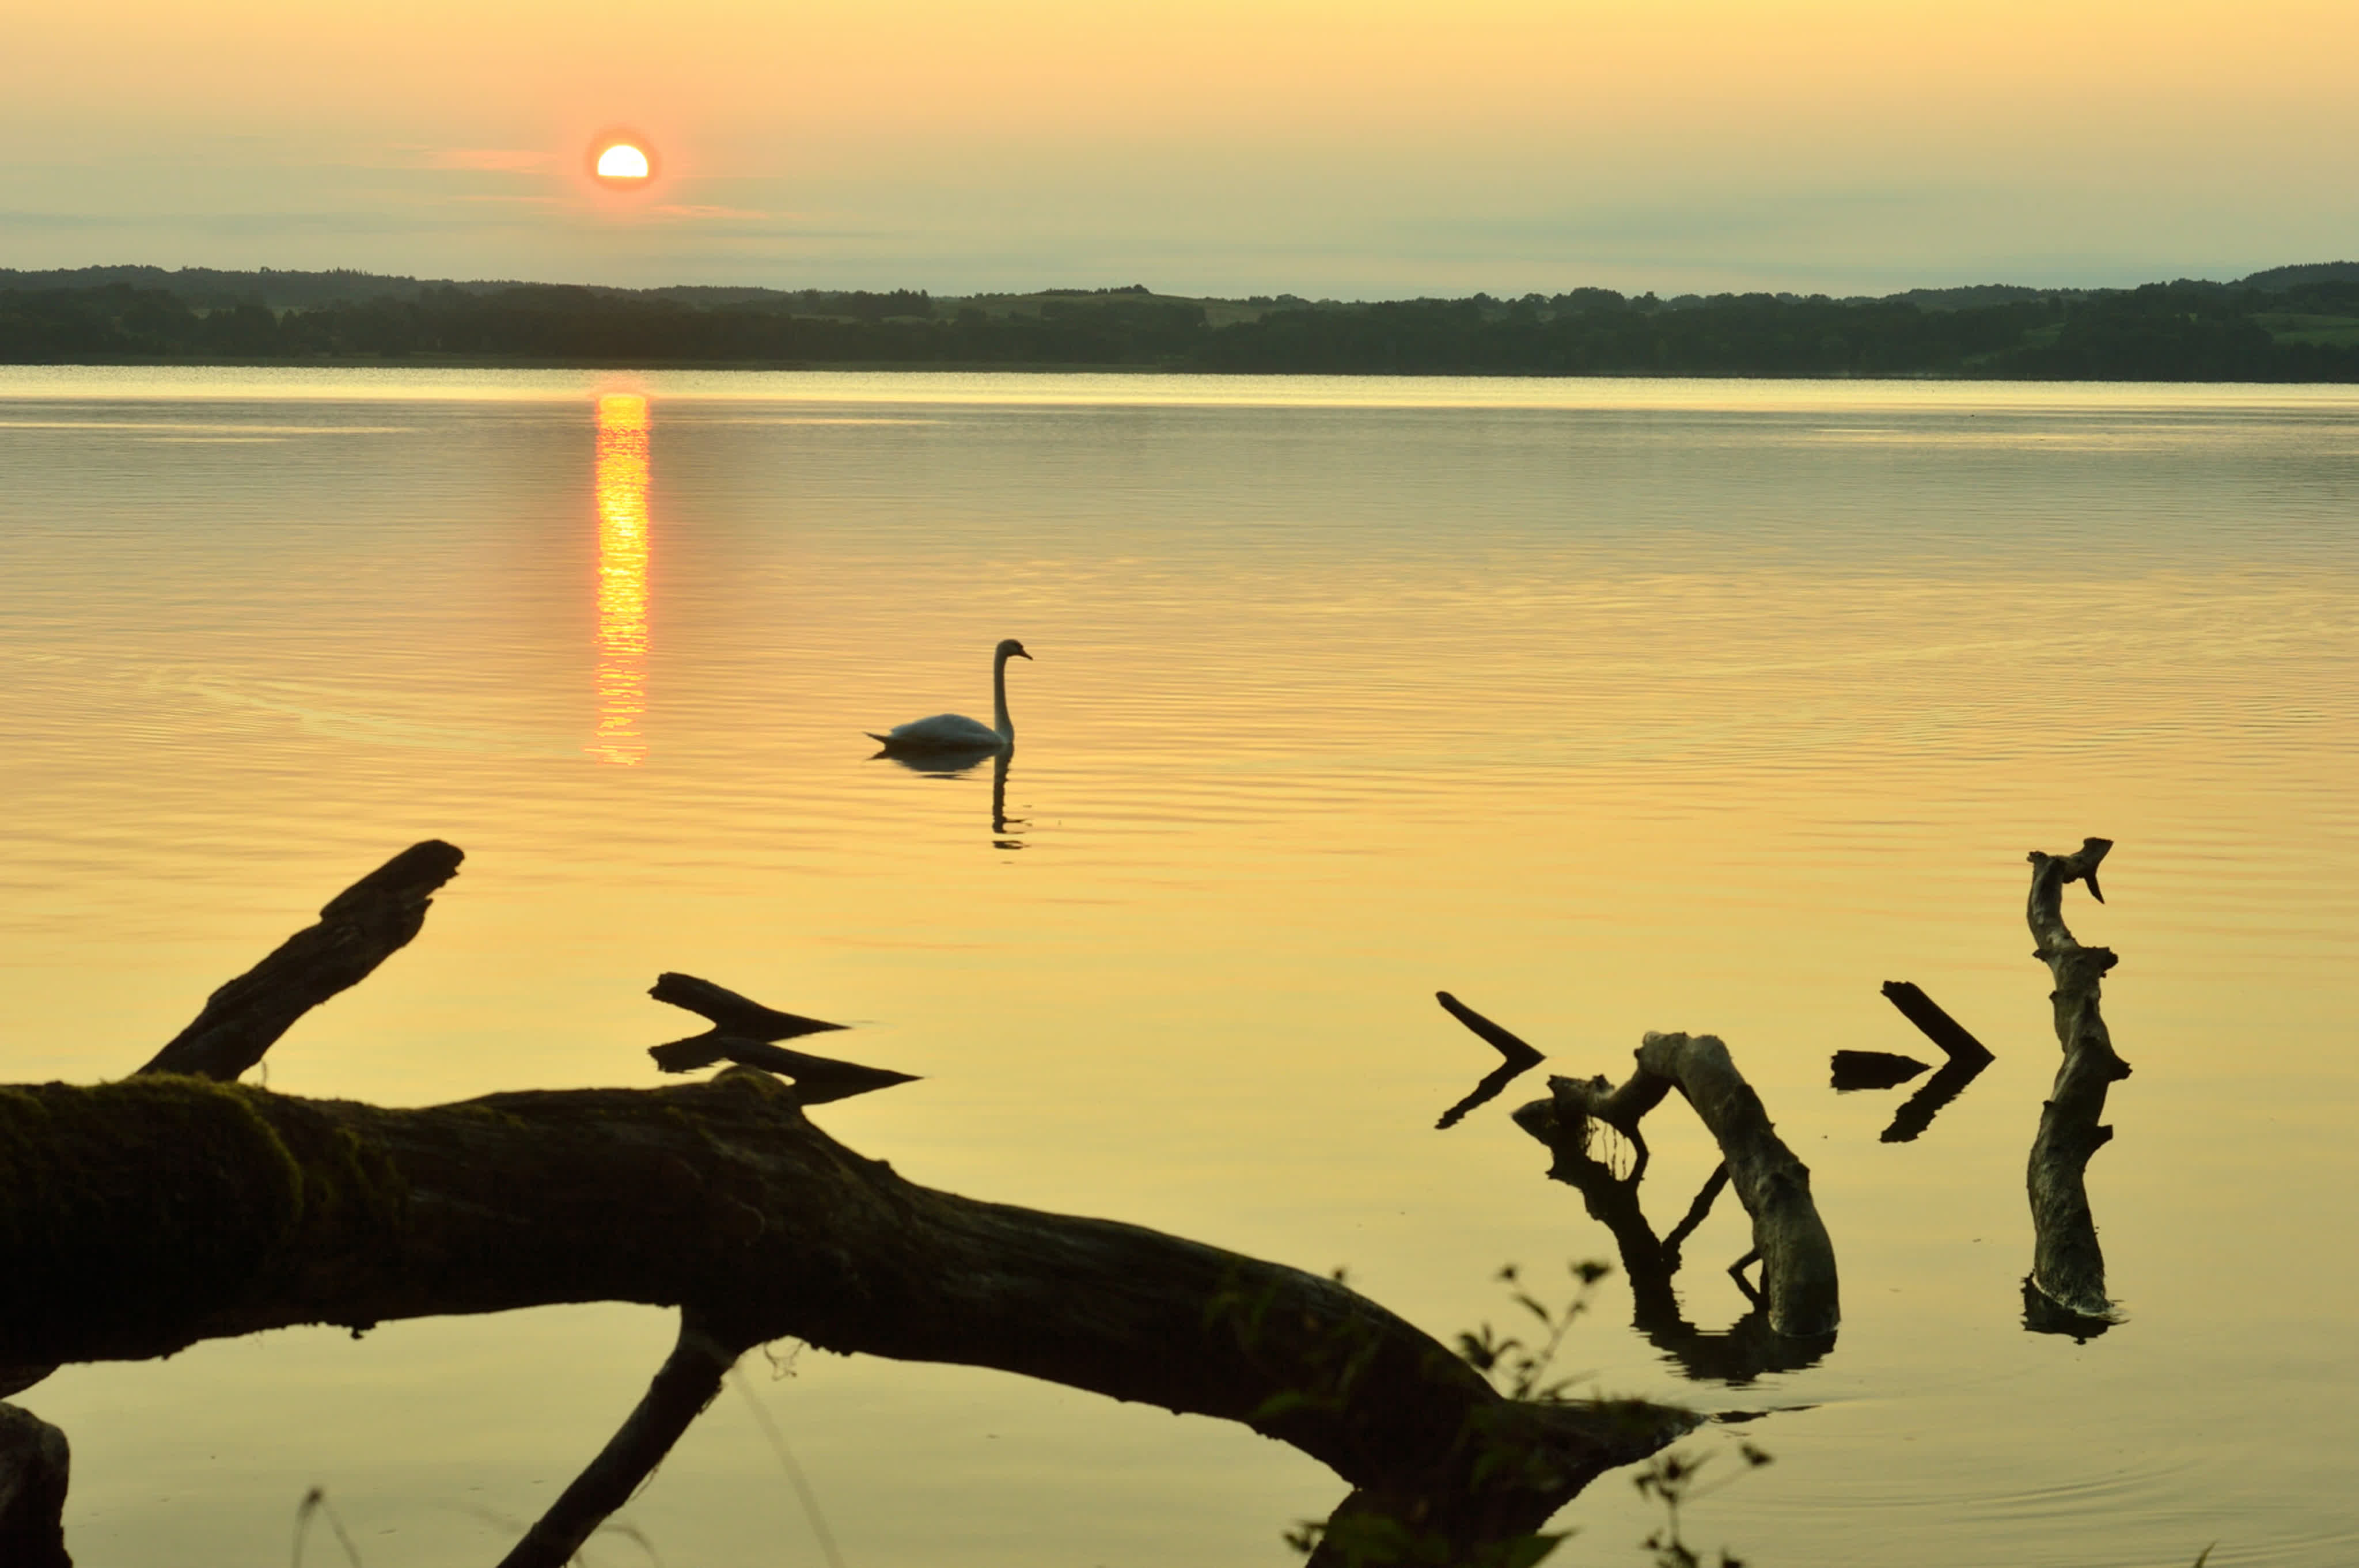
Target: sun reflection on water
622	674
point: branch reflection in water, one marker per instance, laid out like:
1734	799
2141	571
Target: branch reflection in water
1005	831
1749	1347
622	498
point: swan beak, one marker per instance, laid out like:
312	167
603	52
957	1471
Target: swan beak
1025	657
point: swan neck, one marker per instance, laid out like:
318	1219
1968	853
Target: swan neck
999	719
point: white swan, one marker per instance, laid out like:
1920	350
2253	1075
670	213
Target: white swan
947	732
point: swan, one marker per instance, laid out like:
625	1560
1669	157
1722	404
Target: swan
954	731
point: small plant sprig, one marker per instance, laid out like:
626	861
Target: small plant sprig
1671	1478
1519	1368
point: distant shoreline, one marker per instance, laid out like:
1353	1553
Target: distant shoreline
2293	325
736	367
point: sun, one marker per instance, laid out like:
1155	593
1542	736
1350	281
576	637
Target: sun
621	161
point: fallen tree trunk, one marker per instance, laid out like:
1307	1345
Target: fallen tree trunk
141	1216
2068	1268
148	1215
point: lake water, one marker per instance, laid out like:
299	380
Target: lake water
1609	705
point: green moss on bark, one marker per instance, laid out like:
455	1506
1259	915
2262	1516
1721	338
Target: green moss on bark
158	1187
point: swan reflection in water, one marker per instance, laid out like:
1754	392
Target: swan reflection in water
1005	830
947	745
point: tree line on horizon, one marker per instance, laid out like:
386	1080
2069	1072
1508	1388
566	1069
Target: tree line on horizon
2305	330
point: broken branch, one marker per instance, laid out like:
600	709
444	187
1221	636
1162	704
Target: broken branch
360	928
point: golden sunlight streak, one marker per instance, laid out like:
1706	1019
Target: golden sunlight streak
622	487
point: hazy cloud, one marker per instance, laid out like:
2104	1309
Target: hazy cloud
500	160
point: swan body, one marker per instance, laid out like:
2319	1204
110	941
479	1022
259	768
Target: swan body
947	732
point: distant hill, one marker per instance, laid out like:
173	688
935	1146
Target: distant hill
2282	277
208	287
1974	296
2296	323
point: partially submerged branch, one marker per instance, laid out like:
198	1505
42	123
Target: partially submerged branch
683	1386
1739	1355
742	1032
1956	1040
1797	1258
2067	1267
1852	1070
1798	1280
1518	1058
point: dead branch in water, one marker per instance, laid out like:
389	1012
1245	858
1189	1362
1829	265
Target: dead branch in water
1517	1058
1798	1288
2067	1267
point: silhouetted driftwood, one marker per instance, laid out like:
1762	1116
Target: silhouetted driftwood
1967	1058
1519	1059
2067	1267
742	1032
1851	1070
683	1386
1956	1040
145	1216
1917	1113
1797	1258
1798	1285
360	928
33	1474
1749	1347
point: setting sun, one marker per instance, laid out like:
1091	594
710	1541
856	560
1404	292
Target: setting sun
623	161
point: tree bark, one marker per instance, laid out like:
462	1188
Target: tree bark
2067	1267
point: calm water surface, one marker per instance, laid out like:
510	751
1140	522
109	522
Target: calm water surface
1610	706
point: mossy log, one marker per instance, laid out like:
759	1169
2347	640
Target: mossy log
142	1217
139	1217
2067	1267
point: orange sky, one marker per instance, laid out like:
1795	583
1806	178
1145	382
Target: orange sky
1317	147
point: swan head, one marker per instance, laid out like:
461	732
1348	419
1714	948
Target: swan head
1009	648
